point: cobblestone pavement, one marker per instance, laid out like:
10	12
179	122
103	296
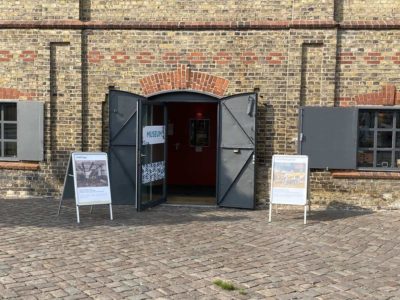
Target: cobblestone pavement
176	253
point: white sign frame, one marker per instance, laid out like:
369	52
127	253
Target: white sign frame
290	193
96	193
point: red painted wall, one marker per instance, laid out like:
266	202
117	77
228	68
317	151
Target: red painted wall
185	165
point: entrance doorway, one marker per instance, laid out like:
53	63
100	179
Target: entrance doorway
182	146
192	153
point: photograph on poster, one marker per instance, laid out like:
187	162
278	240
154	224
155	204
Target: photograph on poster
289	175
91	173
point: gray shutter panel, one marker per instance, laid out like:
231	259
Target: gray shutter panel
30	130
328	135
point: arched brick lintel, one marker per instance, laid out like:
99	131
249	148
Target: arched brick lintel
15	94
184	79
388	96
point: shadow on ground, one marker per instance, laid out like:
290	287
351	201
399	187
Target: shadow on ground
337	210
43	213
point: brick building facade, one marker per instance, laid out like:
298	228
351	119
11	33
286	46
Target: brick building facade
296	53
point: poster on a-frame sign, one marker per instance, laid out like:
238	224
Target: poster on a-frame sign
87	180
289	181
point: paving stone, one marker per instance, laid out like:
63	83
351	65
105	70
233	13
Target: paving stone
176	253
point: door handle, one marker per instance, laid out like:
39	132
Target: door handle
143	155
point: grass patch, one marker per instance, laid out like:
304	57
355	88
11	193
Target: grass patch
225	285
228	286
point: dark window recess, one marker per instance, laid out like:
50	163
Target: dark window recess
199	132
8	130
378	139
366	119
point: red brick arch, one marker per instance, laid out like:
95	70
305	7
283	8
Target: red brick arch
184	79
387	96
15	94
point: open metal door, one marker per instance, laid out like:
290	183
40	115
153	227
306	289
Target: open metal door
122	146
152	153
236	151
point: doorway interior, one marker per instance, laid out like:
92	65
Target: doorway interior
192	153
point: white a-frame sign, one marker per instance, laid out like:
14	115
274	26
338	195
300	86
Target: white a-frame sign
289	181
87	181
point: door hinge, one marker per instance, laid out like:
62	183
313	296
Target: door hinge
250	105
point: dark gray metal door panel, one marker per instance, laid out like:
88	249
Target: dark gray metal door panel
328	135
123	165
123	117
236	146
237	122
122	146
236	178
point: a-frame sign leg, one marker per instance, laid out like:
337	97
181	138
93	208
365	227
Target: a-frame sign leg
78	220
270	211
69	188
59	206
111	212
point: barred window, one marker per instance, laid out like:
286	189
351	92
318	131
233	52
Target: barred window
378	139
8	130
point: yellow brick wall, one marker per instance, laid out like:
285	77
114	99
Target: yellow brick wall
349	10
200	10
194	10
39	10
71	70
26	70
369	60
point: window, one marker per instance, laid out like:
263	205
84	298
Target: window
378	139
199	132
8	130
350	138
21	130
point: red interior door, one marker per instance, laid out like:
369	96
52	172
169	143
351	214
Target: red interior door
189	165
